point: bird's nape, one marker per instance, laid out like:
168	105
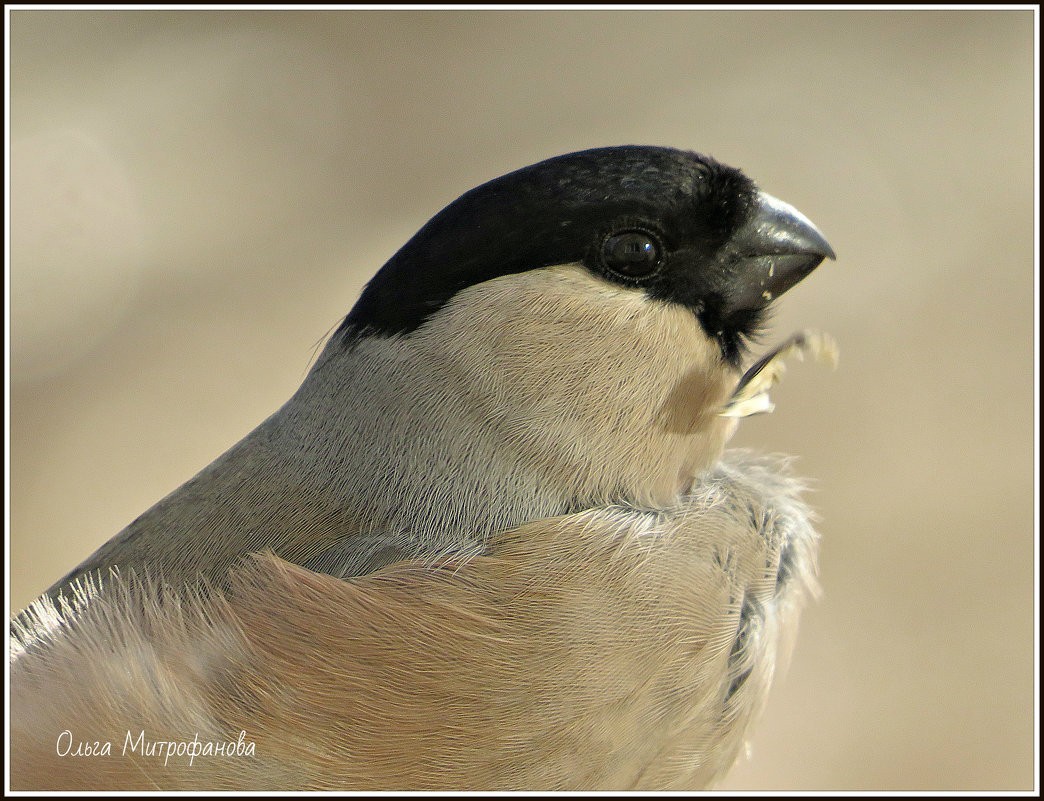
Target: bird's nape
493	541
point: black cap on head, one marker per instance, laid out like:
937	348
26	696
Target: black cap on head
680	226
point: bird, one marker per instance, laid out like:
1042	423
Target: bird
495	540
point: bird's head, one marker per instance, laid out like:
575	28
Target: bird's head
672	225
595	307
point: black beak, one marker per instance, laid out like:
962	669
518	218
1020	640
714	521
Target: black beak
774	250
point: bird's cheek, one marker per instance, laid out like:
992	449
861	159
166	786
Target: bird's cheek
689	416
692	405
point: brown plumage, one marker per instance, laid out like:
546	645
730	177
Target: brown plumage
592	651
499	546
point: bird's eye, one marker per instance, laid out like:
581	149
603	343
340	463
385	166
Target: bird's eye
631	254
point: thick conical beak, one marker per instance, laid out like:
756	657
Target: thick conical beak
777	248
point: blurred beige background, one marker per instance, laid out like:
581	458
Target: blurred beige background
198	197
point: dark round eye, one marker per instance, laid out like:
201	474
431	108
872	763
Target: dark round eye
632	254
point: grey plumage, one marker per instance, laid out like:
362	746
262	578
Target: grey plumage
608	649
427	444
540	574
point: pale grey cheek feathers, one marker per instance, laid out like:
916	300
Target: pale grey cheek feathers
501	546
573	396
